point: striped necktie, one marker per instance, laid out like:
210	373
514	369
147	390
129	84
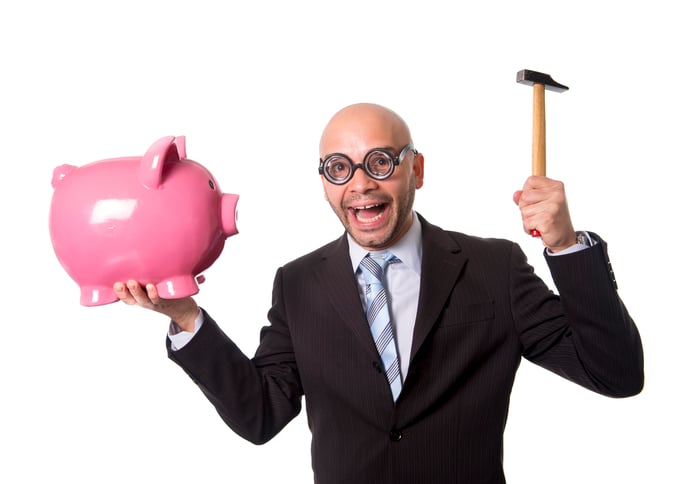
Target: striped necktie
378	316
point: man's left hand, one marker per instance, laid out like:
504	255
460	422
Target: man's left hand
543	207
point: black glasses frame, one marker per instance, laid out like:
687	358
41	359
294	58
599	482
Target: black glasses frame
324	164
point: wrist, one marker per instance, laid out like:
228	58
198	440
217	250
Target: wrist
564	243
185	319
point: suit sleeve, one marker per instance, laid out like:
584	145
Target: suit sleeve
255	397
584	334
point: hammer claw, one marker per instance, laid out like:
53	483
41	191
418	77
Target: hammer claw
531	78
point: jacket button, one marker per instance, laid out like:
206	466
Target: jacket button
395	435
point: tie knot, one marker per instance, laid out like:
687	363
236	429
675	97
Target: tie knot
373	265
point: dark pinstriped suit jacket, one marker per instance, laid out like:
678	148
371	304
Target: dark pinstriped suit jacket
480	310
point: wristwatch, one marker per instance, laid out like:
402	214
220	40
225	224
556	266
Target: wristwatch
583	238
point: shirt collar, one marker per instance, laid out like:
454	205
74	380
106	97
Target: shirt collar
409	248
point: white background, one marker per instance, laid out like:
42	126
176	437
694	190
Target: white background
88	394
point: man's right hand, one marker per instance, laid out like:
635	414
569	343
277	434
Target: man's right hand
182	311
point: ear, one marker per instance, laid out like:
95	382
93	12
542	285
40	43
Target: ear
418	169
160	152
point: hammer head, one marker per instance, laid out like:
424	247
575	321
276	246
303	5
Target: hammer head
533	77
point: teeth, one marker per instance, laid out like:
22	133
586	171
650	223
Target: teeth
358	211
367	206
368	220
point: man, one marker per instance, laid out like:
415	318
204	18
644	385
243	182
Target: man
428	404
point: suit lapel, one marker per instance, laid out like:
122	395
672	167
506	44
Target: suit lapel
335	274
443	262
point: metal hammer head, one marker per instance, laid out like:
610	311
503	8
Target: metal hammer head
533	77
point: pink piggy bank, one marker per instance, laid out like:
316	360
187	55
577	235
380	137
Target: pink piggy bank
160	218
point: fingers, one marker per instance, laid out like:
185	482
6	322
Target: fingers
182	311
123	293
540	212
152	293
537	201
516	197
541	186
132	293
543	207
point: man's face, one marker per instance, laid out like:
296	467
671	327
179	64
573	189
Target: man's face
376	213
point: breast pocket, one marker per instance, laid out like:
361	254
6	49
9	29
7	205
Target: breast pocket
459	313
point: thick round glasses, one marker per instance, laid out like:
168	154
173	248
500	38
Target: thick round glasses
378	164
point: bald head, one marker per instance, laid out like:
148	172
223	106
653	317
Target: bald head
363	126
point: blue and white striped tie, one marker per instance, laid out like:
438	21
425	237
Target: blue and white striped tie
378	316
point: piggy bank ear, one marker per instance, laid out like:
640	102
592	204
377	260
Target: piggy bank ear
181	149
60	172
160	152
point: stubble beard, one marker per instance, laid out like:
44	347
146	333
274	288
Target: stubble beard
396	229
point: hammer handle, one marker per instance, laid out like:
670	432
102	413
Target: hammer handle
539	138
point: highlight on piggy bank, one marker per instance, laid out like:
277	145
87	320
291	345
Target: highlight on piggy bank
159	218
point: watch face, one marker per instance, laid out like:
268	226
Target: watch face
582	238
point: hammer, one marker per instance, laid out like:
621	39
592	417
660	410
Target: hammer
539	82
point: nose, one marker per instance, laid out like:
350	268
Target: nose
361	182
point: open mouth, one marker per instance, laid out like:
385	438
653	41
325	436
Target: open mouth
369	213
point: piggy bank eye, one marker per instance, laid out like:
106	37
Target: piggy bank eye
211	184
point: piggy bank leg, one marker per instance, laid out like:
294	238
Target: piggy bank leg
97	295
177	287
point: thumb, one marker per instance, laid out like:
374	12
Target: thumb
516	196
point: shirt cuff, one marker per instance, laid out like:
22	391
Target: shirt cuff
179	338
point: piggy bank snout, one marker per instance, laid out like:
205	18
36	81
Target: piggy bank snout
229	214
